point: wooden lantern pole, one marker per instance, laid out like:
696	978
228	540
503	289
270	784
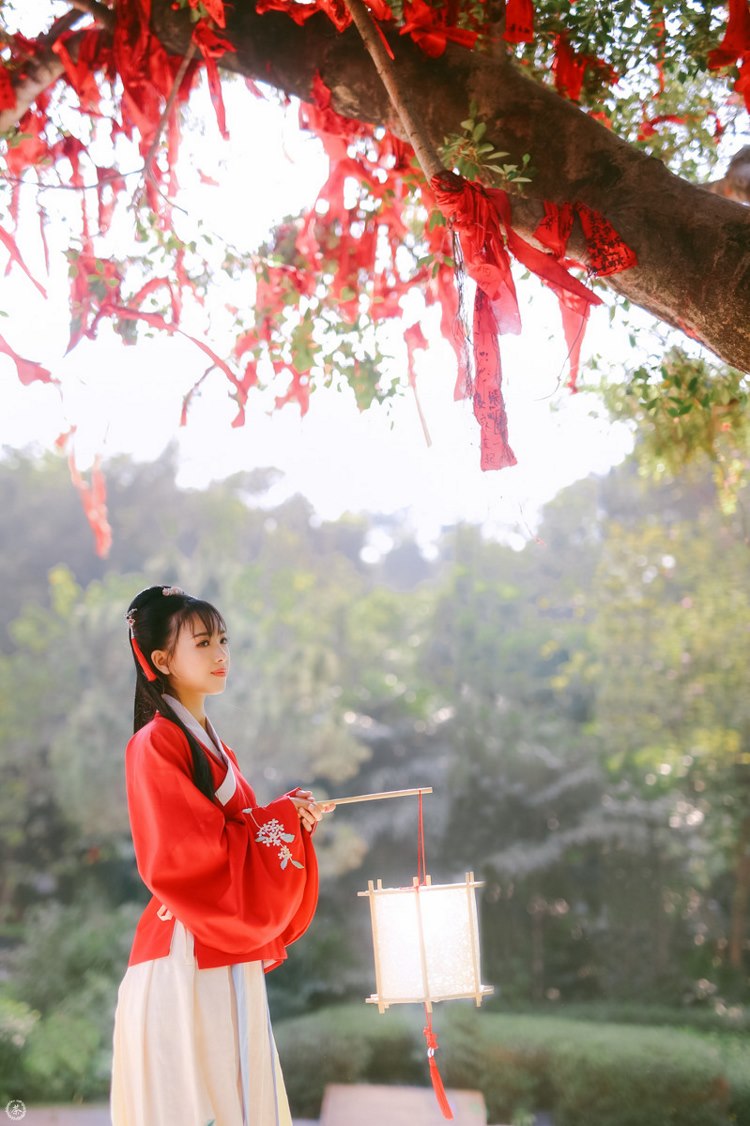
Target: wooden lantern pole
376	797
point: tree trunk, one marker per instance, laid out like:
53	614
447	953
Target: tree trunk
693	246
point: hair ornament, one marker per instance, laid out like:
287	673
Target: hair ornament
167	590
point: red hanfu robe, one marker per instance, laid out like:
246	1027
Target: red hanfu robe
240	877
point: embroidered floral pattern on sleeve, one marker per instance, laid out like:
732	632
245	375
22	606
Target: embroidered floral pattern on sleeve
273	835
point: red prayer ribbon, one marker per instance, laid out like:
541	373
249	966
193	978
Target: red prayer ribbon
735	46
519	21
481	217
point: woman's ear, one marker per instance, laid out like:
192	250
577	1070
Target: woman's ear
160	661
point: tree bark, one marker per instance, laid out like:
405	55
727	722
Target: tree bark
693	245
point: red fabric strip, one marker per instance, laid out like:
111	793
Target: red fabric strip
736	41
94	501
519	21
15	256
489	405
29	371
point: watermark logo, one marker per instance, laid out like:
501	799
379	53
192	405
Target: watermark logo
16	1110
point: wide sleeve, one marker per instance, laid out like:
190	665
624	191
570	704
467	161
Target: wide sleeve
236	884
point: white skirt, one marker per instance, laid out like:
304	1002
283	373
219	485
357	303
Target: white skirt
194	1047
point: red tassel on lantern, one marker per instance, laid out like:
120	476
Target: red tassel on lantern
437	1082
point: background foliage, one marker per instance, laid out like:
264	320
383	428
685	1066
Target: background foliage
579	707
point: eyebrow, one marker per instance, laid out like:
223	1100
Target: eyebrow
203	633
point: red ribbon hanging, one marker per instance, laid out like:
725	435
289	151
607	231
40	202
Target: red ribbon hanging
519	21
489	404
736	41
94	501
482	220
735	46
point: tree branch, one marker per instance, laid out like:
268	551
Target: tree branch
104	16
61	25
693	246
429	161
735	184
43	69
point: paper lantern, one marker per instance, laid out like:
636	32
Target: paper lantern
426	943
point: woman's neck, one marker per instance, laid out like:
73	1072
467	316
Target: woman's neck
194	704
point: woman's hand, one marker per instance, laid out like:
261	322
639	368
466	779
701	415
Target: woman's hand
309	811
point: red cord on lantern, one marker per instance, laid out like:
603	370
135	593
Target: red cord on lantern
429	1035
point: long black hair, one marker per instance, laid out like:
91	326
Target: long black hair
155	617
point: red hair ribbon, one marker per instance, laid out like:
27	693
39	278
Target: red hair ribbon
148	672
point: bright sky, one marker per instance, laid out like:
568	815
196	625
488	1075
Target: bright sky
129	399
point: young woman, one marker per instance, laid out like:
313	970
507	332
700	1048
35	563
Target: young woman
233	884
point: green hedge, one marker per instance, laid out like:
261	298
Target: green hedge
587	1074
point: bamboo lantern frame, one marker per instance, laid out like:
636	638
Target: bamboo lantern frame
431	992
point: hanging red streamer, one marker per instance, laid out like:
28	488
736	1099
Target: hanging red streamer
736	41
735	47
489	404
94	500
482	219
29	371
569	69
519	21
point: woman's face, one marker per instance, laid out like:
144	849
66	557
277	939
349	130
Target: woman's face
198	664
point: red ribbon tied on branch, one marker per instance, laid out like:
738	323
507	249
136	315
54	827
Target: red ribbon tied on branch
481	218
735	46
